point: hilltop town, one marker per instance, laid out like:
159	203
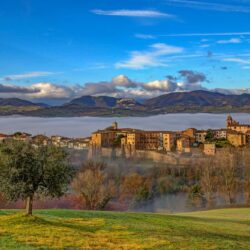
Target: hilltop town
190	140
130	141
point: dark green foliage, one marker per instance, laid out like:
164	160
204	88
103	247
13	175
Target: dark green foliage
221	143
169	185
196	197
117	141
26	170
142	198
209	137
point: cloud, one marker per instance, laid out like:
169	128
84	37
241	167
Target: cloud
161	85
122	86
27	75
237	60
144	36
205	46
207	34
244	54
213	6
123	81
246	67
154	57
49	90
119	86
115	87
43	91
95	66
192	80
16	89
232	40
132	13
192	77
186	80
232	91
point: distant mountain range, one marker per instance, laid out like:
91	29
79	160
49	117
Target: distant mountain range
12	106
16	102
105	102
200	98
199	101
189	102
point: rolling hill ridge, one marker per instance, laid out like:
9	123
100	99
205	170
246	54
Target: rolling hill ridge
198	98
186	102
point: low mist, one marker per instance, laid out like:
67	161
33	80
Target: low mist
84	126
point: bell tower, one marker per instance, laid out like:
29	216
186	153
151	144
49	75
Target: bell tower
115	125
229	121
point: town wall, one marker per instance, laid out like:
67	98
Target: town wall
157	157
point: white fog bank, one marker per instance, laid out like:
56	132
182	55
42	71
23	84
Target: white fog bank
83	126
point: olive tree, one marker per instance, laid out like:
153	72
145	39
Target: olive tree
27	170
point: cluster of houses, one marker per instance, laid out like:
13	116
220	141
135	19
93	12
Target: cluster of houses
208	141
131	140
71	143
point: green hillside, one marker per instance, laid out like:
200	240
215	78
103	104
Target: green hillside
68	229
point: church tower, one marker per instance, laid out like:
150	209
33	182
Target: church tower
229	121
115	125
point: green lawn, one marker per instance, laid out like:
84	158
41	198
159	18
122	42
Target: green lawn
68	229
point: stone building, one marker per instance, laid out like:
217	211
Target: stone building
21	136
200	136
169	141
190	132
133	139
236	139
111	136
56	140
40	140
149	140
220	133
183	145
102	138
209	149
238	134
236	126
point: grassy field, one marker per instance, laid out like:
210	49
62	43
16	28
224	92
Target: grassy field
68	229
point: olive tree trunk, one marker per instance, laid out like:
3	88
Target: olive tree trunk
29	205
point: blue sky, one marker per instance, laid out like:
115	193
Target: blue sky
49	49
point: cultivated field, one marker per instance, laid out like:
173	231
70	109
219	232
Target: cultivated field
68	229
